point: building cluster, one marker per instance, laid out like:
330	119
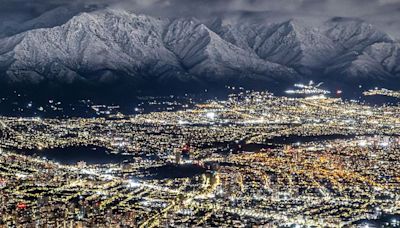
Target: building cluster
254	159
382	92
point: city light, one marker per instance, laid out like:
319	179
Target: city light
253	159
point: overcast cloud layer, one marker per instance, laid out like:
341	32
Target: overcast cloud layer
383	13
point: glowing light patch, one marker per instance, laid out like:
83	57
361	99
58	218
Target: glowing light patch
134	184
211	115
362	143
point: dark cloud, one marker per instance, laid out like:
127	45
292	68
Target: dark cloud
332	7
382	12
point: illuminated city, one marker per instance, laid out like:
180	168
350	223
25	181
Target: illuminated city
199	113
254	159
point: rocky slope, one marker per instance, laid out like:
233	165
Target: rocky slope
109	45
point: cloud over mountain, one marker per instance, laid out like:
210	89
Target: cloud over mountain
384	13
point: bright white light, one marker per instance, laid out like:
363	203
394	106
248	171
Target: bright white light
133	184
384	144
87	171
182	122
108	177
211	115
20	175
362	143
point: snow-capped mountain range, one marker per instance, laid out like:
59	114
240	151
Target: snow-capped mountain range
108	45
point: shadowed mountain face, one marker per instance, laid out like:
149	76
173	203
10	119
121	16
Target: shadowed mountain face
116	48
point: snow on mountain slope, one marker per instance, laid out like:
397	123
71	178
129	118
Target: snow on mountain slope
297	45
354	34
203	52
290	43
387	54
54	17
108	45
360	68
368	53
103	45
106	41
335	47
379	61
